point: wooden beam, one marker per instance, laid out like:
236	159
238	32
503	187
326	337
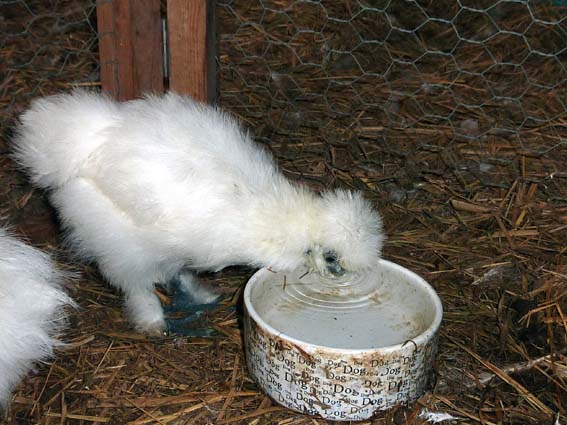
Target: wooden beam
192	48
105	29
130	46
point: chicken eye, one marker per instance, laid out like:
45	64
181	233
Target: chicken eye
330	257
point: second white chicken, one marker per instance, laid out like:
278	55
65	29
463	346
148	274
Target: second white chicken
32	311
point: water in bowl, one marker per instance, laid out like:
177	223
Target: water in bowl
364	311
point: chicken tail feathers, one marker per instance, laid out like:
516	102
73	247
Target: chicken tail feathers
59	133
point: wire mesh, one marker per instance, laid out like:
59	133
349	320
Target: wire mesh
470	69
45	46
408	76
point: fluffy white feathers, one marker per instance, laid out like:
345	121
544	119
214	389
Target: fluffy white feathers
153	185
31	310
54	155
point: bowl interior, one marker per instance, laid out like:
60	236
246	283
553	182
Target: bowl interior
387	307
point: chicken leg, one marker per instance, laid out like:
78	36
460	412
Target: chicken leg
189	300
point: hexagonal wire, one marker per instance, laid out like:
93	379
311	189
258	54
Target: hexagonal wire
471	70
45	46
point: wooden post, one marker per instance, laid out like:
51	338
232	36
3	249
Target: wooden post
130	46
105	29
191	45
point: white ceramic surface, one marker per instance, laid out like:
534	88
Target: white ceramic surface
341	349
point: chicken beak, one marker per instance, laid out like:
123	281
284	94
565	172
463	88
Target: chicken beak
336	269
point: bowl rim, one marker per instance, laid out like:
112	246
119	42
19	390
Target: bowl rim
419	340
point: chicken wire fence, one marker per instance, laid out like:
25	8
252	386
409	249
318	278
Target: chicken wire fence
472	68
410	75
45	45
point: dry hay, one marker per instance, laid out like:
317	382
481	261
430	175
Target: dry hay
474	199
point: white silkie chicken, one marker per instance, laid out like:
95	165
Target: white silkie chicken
164	187
32	311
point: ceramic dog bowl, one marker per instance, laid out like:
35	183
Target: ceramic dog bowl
341	349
